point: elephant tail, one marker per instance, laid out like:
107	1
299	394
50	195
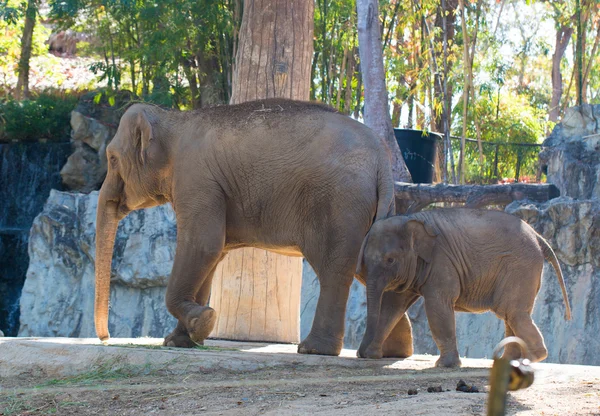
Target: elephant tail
551	257
386	200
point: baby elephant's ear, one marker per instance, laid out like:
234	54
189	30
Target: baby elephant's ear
423	238
361	261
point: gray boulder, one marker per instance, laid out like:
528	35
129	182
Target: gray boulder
571	154
58	295
93	127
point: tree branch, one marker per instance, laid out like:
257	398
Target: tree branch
414	197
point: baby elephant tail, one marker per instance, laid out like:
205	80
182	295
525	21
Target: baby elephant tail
551	257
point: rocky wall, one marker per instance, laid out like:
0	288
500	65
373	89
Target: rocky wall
58	295
27	173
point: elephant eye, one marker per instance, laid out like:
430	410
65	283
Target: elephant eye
391	260
113	161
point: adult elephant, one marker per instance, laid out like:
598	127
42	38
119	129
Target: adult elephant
291	177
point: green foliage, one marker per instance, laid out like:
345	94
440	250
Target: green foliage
511	120
12	17
176	53
11	12
46	116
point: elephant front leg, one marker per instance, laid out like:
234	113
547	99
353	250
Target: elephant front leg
199	249
440	314
180	336
393	335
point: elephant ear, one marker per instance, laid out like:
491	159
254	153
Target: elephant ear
422	238
146	136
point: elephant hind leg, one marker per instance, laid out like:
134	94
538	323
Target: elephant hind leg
524	328
399	344
511	351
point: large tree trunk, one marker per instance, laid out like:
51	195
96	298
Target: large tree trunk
26	42
563	35
256	293
377	113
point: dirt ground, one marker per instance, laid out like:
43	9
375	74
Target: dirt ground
241	379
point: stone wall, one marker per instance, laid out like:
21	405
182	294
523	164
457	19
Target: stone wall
571	154
27	173
93	127
58	295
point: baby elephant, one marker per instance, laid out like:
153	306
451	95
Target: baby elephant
464	260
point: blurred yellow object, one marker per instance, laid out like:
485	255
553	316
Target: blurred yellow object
507	375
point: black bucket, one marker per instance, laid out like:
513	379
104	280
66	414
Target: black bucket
419	150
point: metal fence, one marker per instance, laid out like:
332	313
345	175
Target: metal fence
502	161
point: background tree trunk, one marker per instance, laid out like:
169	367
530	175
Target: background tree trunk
563	35
377	113
26	42
256	293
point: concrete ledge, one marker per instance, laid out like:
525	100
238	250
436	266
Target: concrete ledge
59	357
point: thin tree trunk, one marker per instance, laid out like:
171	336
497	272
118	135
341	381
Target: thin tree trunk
445	21
579	52
359	91
563	36
377	113
472	86
338	102
466	87
591	60
273	60
313	74
392	23
349	77
26	44
397	106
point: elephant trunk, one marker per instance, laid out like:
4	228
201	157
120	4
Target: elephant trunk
107	222
374	296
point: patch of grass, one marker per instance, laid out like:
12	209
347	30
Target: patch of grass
146	346
211	348
159	347
111	370
14	405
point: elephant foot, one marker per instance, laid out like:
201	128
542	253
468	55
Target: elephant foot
397	350
200	323
449	361
313	345
373	353
179	340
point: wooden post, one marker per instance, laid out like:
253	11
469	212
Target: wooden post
256	293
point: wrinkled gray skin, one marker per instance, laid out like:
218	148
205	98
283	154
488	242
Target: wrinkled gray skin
290	177
462	260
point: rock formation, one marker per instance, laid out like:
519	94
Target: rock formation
58	296
27	173
94	126
571	154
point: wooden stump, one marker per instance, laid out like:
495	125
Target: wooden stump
257	294
257	297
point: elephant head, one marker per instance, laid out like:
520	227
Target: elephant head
390	257
138	177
